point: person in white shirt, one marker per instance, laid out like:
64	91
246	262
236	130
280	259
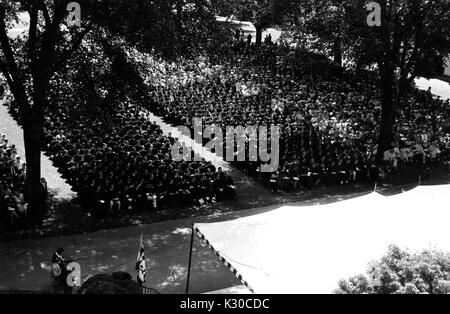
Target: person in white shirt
406	154
3	141
434	151
388	158
396	156
420	152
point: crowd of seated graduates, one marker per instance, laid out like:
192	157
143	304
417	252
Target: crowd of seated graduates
329	123
118	161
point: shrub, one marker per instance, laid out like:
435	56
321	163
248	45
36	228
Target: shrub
117	283
400	272
120	275
101	287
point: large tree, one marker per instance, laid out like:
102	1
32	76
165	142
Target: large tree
28	63
168	27
262	13
323	19
413	40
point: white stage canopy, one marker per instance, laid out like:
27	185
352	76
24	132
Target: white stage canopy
308	249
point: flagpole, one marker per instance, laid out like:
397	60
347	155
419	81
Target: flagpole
190	260
140	245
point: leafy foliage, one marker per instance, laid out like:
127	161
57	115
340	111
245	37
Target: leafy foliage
414	32
400	272
167	27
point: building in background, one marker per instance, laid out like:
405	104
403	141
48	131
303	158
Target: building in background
447	67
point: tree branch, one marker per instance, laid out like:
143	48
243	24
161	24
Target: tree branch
75	45
33	12
9	63
44	10
7	75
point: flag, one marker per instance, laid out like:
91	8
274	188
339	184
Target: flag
140	265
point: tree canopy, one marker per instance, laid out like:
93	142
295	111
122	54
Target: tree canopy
170	28
28	63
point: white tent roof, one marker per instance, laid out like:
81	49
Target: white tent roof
308	249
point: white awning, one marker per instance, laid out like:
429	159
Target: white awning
308	249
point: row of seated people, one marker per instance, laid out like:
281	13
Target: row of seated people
321	119
117	160
13	206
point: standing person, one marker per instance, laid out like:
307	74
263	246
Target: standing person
44	191
57	269
249	39
237	35
2	89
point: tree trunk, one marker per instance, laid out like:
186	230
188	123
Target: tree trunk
259	32
33	123
388	113
32	131
337	51
403	88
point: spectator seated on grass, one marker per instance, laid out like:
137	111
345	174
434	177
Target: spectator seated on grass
12	180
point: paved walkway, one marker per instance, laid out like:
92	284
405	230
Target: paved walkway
25	264
188	141
14	133
250	193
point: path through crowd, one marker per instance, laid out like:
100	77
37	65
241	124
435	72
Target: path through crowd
14	133
188	141
249	191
